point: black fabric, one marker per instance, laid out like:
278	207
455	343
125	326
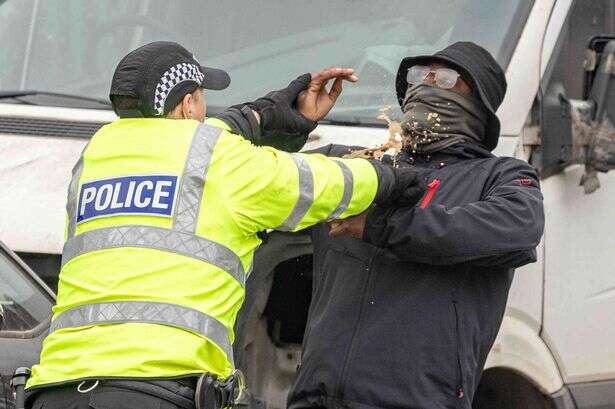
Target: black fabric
408	323
436	118
138	73
278	112
397	186
243	122
102	397
285	141
281	125
486	77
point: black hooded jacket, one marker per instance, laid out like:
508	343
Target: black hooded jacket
406	317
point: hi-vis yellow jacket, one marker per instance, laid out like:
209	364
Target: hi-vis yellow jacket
161	232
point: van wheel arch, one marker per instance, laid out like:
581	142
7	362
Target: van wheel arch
504	388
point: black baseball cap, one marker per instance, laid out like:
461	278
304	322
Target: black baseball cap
159	75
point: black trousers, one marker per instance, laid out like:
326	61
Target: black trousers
101	397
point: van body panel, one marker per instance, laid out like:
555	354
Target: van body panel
579	275
35	172
519	348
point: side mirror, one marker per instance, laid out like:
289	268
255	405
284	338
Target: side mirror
593	119
581	131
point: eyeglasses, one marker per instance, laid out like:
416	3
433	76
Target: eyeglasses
445	77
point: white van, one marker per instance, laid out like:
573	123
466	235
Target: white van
556	347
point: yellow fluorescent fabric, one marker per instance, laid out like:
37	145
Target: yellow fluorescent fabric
266	185
247	189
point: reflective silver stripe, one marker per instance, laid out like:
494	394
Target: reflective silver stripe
193	179
73	191
347	195
158	238
306	195
173	315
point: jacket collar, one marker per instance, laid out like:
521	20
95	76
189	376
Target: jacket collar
447	156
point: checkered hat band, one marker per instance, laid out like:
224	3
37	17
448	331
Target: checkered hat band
172	77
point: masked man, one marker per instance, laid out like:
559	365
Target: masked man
407	301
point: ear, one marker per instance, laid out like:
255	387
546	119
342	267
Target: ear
187	106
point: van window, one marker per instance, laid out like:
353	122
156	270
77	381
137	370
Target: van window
585	20
46	266
72	46
23	305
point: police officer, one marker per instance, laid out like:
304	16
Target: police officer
162	226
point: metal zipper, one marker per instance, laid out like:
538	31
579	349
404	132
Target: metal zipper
460	392
341	383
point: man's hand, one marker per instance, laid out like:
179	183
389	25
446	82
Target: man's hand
315	102
352	226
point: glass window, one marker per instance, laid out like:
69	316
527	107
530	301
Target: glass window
585	20
23	305
72	46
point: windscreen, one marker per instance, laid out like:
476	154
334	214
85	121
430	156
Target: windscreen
73	46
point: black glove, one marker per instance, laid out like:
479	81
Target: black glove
376	224
400	187
281	125
277	110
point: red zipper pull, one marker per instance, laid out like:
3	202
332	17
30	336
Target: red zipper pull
460	393
432	186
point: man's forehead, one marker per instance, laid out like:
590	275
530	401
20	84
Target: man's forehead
439	64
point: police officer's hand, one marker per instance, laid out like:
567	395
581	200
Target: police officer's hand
315	102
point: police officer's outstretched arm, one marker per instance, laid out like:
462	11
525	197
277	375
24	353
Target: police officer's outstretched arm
284	118
279	190
272	189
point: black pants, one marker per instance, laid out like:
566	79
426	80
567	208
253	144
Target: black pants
101	397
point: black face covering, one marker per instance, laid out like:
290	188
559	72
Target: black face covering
436	118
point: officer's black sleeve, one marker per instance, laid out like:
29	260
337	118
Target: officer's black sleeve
502	229
242	121
333	150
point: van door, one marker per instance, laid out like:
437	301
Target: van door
579	233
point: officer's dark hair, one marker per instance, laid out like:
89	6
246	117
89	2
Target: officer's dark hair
123	102
128	103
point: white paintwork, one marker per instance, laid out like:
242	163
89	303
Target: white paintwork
558	17
34	173
346	135
519	348
523	72
57	113
525	296
579	323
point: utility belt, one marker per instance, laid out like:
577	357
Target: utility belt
207	393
